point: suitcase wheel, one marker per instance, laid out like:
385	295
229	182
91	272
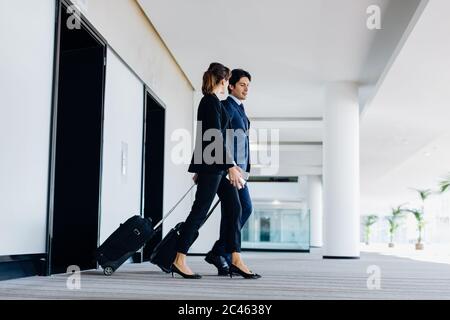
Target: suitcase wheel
108	271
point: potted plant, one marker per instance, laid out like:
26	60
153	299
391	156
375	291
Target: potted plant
419	215
394	222
445	184
368	222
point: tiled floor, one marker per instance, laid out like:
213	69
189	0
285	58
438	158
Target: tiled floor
285	276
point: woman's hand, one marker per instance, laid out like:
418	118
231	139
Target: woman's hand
195	178
235	177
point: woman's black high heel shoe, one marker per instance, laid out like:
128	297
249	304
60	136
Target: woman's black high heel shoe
184	275
234	269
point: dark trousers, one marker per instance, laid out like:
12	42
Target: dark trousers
208	185
245	202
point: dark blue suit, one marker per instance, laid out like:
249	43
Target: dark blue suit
240	123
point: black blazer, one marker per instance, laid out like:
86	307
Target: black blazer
212	115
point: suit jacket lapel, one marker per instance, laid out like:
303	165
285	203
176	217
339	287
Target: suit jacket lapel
241	112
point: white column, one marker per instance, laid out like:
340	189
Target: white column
315	207
341	171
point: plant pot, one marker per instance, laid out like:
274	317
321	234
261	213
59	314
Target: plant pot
419	246
391	245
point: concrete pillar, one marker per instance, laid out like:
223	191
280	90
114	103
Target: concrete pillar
341	172
316	213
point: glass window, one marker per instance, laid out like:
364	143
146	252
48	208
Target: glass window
283	226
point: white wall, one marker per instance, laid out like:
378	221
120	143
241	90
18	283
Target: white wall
26	66
122	146
128	31
26	61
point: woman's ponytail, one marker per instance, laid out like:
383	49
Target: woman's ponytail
215	73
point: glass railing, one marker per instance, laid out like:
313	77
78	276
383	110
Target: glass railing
281	226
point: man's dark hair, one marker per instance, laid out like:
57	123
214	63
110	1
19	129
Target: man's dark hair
236	75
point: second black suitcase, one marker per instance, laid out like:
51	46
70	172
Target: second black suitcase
164	253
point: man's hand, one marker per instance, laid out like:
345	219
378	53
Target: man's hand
235	177
195	178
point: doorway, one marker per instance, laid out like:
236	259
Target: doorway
153	166
76	145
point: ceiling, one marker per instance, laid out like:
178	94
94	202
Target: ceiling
293	48
405	132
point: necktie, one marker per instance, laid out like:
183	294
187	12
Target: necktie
246	127
244	115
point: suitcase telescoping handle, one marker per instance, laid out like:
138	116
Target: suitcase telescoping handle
173	208
210	212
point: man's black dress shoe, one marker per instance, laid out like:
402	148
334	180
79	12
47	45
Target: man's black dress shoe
219	262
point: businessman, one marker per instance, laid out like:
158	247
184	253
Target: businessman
238	90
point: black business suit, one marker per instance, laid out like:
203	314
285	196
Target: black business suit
211	175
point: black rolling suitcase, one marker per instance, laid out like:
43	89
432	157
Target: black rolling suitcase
164	253
131	235
123	243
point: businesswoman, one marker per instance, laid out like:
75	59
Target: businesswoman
211	165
